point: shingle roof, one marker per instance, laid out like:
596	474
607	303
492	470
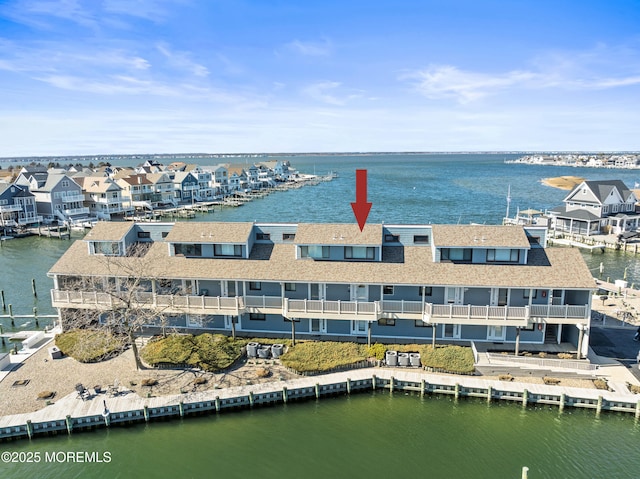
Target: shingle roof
481	236
108	231
411	265
339	234
201	232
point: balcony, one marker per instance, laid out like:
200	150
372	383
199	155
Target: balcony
10	208
72	198
520	316
76	211
323	309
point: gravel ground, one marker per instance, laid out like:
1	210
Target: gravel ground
62	375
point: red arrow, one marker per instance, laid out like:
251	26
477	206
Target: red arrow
361	207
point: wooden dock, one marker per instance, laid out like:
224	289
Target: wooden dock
61	232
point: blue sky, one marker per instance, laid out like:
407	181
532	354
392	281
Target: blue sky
127	76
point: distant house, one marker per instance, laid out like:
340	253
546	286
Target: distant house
60	198
185	186
137	189
597	207
17	206
103	197
162	189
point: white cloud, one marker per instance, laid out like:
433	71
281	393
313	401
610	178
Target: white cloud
313	49
182	60
321	91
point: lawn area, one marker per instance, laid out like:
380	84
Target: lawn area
323	356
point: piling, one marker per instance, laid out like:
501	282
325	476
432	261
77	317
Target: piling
251	398
317	391
373	382
4	305
525	472
11	315
33	287
348	386
423	387
29	428
146	413
284	395
525	397
599	406
69	422
638	410
35	316
181	406
563	399
456	393
391	384
217	403
489	391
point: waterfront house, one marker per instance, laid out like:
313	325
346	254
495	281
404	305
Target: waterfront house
238	180
103	197
59	198
220	180
185	186
597	207
161	190
17	206
454	283
137	190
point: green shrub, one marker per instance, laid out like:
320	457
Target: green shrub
321	356
89	345
455	359
377	351
211	352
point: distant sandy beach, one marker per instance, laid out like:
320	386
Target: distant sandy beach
563	182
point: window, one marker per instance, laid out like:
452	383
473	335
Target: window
456	254
144	234
289	286
359	252
257	317
314	251
288	236
227	250
106	248
263	236
428	290
421	239
165	234
387	289
526	293
64	184
386	322
255	285
389	238
503	255
188	249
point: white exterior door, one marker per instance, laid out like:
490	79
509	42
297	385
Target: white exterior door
454	295
451	331
318	326
317	291
229	319
359	327
496	333
359	292
499	296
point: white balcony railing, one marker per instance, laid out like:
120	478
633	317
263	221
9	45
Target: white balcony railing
559	311
10	208
76	211
72	198
331	308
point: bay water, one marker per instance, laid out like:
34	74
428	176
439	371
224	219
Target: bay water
373	435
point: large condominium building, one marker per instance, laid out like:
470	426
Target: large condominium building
385	283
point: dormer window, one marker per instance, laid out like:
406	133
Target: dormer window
359	252
456	254
234	250
503	255
314	251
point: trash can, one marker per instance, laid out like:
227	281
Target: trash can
391	358
252	349
403	359
277	350
414	359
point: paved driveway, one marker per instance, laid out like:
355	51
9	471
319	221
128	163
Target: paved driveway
616	343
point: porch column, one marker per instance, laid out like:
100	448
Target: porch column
293	332
233	328
369	333
433	336
517	340
580	339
